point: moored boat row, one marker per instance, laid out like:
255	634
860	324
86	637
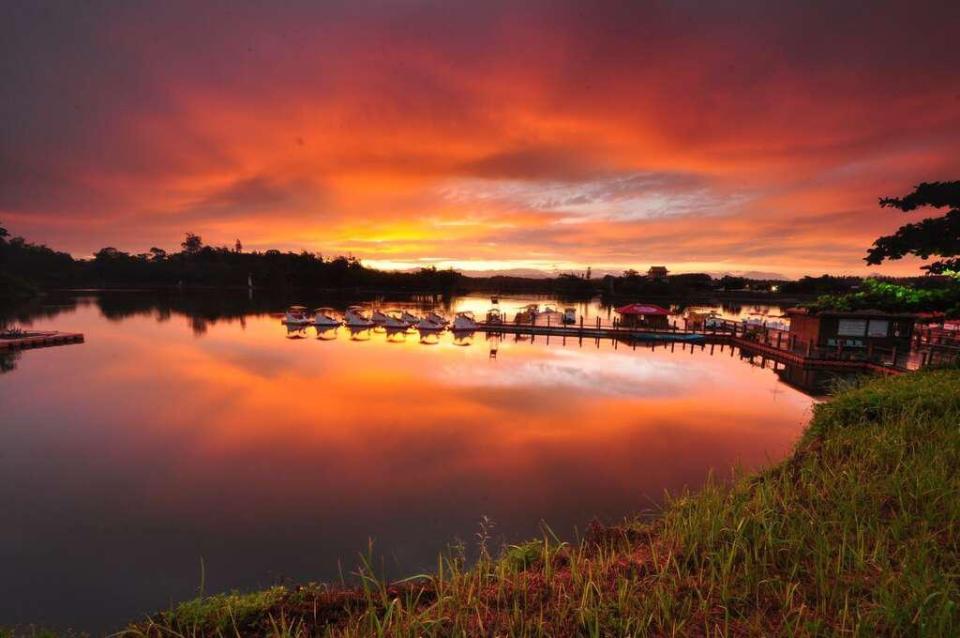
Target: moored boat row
360	317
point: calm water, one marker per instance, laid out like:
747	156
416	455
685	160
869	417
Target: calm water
190	429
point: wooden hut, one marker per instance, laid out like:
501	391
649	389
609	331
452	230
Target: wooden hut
644	315
657	273
850	329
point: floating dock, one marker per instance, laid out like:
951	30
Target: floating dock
40	340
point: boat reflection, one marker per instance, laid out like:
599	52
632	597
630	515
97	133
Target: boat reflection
295	331
327	333
463	337
493	340
360	333
396	335
430	338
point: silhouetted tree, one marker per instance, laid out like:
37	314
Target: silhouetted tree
934	236
729	282
192	244
157	254
238	247
107	252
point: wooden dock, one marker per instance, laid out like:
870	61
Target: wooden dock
40	340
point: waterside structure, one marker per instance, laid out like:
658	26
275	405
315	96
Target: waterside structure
872	341
25	340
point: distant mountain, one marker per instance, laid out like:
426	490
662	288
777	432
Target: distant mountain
751	274
529	273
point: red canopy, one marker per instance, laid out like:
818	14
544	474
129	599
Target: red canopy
645	309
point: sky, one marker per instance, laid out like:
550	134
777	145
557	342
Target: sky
745	137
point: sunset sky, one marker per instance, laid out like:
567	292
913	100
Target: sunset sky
705	136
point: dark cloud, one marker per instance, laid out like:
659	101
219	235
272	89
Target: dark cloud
538	163
255	195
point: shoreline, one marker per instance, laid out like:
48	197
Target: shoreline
858	531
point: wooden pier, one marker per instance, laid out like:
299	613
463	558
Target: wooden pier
40	340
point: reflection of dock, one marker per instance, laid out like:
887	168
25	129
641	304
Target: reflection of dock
783	355
772	345
40	340
600	332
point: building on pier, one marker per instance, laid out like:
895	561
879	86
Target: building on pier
657	273
644	315
851	329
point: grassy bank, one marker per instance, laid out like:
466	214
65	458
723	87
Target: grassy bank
855	534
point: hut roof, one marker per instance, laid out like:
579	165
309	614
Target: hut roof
861	313
645	309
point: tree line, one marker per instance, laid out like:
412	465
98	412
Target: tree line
25	266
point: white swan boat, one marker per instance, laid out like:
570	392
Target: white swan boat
356	317
324	318
432	323
391	319
528	314
437	318
464	322
297	316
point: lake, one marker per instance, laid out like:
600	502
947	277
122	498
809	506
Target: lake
192	430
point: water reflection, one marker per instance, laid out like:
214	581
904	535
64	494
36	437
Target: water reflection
8	361
429	338
127	458
360	334
328	333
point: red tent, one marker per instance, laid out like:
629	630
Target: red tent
643	309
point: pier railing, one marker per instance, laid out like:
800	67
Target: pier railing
922	351
926	348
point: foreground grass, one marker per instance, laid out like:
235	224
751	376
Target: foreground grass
856	534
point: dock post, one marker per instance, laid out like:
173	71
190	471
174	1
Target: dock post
779	339
581	326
